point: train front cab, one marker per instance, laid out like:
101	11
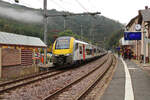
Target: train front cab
63	51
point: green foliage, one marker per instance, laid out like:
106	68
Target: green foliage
69	33
113	41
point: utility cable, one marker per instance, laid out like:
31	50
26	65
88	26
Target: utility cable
82	6
24	3
58	5
92	5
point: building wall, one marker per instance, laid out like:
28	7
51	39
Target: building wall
139	47
10	57
135	48
146	32
18	71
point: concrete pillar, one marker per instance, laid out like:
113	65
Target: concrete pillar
0	62
34	56
45	52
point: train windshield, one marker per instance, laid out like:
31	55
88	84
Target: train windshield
63	43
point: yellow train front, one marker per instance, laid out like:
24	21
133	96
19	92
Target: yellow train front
68	50
63	50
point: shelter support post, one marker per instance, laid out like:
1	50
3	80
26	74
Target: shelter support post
45	51
144	43
137	56
0	62
34	56
20	54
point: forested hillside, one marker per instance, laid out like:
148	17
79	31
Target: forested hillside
113	40
27	21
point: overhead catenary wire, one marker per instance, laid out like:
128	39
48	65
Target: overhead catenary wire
24	3
68	4
58	5
80	4
92	5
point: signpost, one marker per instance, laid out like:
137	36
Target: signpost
132	35
118	48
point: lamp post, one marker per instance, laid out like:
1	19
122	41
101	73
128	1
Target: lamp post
45	30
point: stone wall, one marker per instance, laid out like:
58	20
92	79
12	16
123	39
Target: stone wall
12	72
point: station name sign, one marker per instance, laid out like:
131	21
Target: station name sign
132	35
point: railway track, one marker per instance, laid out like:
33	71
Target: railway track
6	86
10	85
97	80
59	93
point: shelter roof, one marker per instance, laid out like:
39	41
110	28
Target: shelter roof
20	40
126	42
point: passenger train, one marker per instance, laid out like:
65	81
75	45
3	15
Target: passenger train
68	50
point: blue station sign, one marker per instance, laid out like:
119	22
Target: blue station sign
118	48
132	35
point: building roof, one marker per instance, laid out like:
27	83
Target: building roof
145	14
132	21
20	40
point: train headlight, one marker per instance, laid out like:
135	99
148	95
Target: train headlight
56	55
69	54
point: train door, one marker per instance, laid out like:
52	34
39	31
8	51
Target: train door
83	52
92	51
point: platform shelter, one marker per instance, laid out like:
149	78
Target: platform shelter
19	50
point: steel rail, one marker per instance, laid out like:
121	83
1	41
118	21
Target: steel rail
95	82
29	77
24	78
72	83
29	81
15	83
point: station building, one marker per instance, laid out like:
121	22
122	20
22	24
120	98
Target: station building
17	52
143	18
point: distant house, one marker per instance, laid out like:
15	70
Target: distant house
143	18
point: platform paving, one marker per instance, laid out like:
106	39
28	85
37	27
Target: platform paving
140	81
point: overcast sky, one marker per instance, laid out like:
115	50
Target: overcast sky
120	10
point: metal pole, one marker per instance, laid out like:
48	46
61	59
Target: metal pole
64	23
91	30
144	46
81	32
93	35
45	21
45	30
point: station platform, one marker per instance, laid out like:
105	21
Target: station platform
43	67
130	82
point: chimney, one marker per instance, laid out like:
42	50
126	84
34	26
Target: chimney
146	7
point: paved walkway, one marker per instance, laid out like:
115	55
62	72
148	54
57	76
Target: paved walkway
134	85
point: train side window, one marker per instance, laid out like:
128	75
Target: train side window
94	50
80	49
89	51
76	46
